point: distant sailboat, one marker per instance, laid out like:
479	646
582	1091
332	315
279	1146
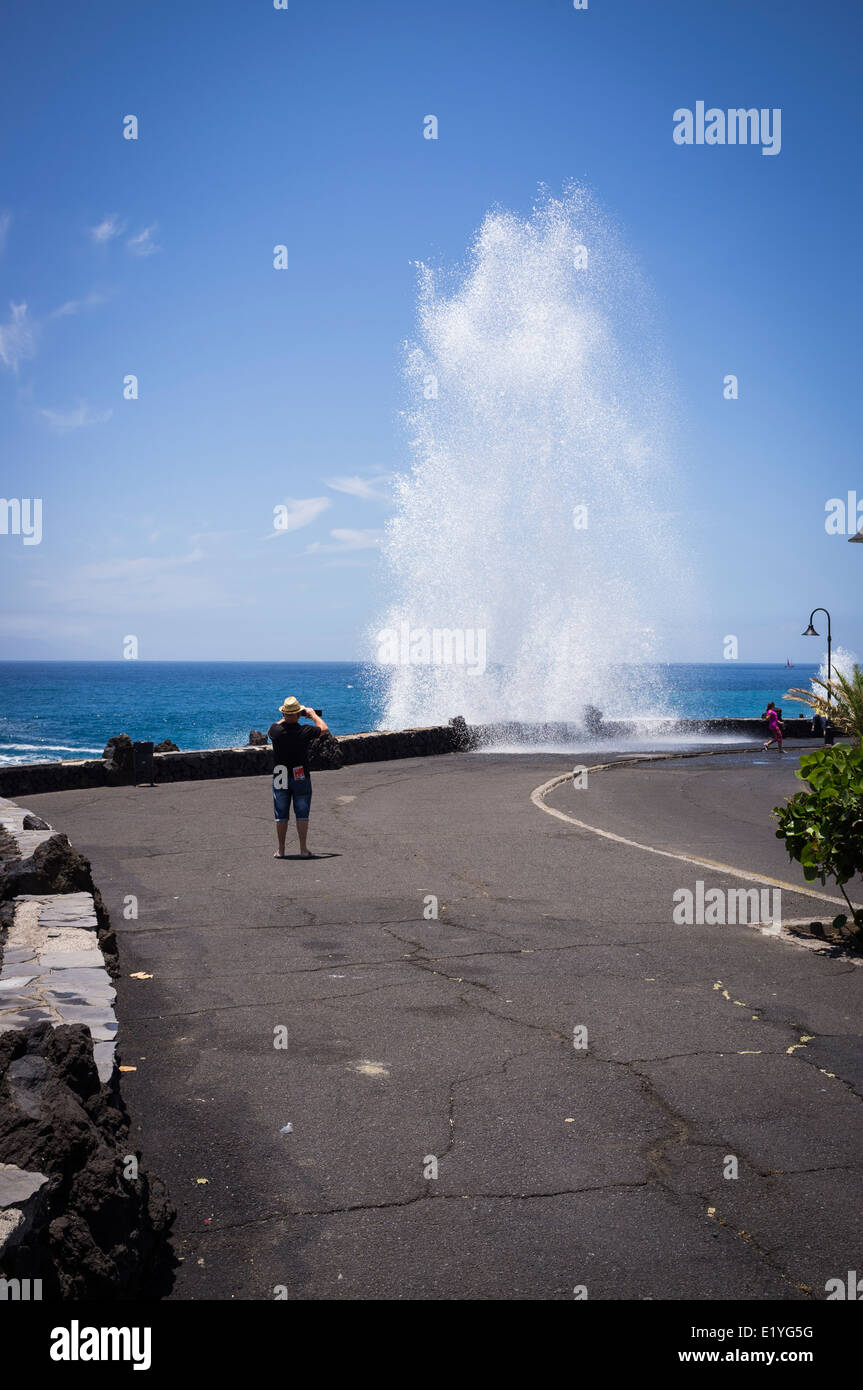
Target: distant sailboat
789	665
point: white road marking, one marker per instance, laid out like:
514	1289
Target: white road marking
538	795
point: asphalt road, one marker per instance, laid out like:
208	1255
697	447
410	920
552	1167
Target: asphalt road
412	1039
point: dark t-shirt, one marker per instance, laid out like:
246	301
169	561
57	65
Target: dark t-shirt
291	746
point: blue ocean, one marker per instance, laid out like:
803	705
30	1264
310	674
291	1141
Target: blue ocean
69	709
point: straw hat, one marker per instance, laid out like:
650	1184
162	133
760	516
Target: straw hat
291	706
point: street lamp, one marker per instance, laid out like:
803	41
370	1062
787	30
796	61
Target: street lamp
810	632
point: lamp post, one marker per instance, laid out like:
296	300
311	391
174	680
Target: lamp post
810	632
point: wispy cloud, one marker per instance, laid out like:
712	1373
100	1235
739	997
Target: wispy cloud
346	539
17	337
372	489
140	565
112	226
141	585
296	512
5	224
64	421
74	306
143	244
107	229
33	624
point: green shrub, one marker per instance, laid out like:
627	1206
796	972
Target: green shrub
823	827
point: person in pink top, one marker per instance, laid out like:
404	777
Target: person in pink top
774	727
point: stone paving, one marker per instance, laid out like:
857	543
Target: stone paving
51	971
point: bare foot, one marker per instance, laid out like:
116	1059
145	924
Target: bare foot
306	854
278	856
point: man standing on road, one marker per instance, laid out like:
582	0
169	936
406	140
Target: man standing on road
291	779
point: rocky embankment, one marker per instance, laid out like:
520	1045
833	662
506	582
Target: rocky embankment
79	1216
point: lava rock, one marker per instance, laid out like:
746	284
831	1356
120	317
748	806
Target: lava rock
166	746
97	1233
32	822
256	738
325	753
593	720
53	867
462	738
117	759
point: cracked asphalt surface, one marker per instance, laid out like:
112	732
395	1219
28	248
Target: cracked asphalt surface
410	1038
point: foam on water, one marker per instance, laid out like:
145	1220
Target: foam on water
538	390
13	753
631	743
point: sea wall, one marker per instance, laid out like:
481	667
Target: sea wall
568	734
118	768
122	765
79	1216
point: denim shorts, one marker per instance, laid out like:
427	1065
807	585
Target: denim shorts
298	792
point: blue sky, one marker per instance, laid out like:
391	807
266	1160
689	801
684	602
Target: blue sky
258	387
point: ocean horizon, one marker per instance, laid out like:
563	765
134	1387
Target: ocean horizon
54	710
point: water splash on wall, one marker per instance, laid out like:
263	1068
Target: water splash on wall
534	529
842	663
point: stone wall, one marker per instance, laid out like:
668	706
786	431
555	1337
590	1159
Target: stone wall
79	1217
115	769
31	779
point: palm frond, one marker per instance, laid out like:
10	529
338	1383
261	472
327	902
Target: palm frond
842	701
